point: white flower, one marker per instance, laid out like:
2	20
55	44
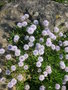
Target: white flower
39	70
26	16
56	29
27	87
34	27
20	77
8	72
62	65
13	67
26	47
57	86
16	38
66	49
41	77
20	64
35	52
48	42
48	69
3	80
26	37
42	87
45	74
36	22
66	56
60	34
65	43
57	48
2	51
17	52
30	30
0	70
22	58
40	59
52	36
66	78
66	69
45	23
44	33
41	40
8	56
38	46
23	18
26	55
31	44
24	24
41	51
38	64
31	38
13	81
14	48
19	25
10	85
53	47
63	88
26	67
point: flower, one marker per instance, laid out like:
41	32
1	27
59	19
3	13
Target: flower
35	52
36	22
20	77
45	74
26	55
3	80
41	51
39	70
21	58
30	30
40	59
17	52
56	29
38	64
57	48
65	43
42	87
61	56
62	65
0	70
13	81
63	88
26	37
14	48
66	49
45	23
66	78
41	40
31	38
41	77
66	56
23	18
10	85
9	47
31	44
60	34
13	67
48	42
48	70
60	43
27	87
44	33
66	69
8	56
8	72
2	51
26	47
34	27
19	25
24	24
57	86
52	46
16	38
26	16
26	67
20	64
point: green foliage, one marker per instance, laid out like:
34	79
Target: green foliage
62	1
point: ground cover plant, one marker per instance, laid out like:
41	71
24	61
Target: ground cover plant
36	57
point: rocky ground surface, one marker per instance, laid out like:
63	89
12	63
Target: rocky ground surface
10	13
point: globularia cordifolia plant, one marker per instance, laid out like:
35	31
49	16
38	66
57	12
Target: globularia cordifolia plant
36	57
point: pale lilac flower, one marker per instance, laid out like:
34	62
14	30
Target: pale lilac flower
10	47
26	16
41	77
30	30
27	87
38	46
10	85
42	47
65	43
39	70
66	78
52	46
8	72
42	87
26	67
41	40
24	24
20	77
16	38
48	70
52	36
20	64
14	48
0	70
17	52
31	44
8	56
3	80
23	18
62	65
45	23
61	56
19	25
57	86
38	64
34	27
13	67
26	37
63	88
41	51
26	55
44	33
66	56
56	29
45	74
26	47
21	58
57	48
40	59
31	38
2	51
60	34
36	22
66	49
14	81
60	43
66	69
48	43
35	52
